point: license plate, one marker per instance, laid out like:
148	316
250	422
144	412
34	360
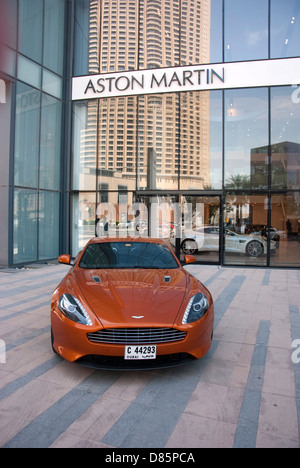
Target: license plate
140	352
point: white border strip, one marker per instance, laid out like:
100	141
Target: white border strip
277	72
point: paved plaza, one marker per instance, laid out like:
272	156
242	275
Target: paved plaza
244	393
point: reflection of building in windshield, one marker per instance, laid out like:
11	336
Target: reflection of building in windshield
134	135
285	166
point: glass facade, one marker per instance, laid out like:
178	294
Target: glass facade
34	69
215	172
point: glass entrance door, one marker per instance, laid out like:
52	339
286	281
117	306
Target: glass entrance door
200	228
246	235
159	217
189	224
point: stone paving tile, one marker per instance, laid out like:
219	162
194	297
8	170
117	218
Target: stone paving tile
244	393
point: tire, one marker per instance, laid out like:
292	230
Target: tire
189	246
254	248
276	239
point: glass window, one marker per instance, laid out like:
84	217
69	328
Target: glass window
30	28
48	225
83	220
285	28
246	138
200	32
216	31
27	136
117	142
201	140
25	226
118	27
246	30
85	145
158	132
160	216
29	72
245	222
52	84
108	152
54	35
169	36
114	213
285	229
160	32
81	37
36	226
200	228
50	144
285	137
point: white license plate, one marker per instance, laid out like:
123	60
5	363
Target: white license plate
140	352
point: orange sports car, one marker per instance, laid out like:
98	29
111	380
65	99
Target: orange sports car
129	304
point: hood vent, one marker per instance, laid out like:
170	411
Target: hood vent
96	279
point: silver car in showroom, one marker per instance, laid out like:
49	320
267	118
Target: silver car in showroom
206	239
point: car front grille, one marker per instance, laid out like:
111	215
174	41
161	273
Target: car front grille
127	336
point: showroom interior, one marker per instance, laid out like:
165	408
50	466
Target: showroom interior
186	127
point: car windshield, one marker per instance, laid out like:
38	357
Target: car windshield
127	255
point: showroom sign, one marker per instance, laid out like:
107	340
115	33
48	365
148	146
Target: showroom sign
191	78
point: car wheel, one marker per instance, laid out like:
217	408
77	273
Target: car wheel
254	248
189	246
276	239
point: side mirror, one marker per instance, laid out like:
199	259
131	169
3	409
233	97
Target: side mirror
66	259
189	259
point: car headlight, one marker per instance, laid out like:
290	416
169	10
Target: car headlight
196	308
74	310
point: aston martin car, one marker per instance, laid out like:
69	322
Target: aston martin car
207	239
128	303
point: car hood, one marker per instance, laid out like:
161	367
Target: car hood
120	296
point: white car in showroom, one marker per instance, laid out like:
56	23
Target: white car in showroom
206	239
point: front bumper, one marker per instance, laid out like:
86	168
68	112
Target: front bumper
70	340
